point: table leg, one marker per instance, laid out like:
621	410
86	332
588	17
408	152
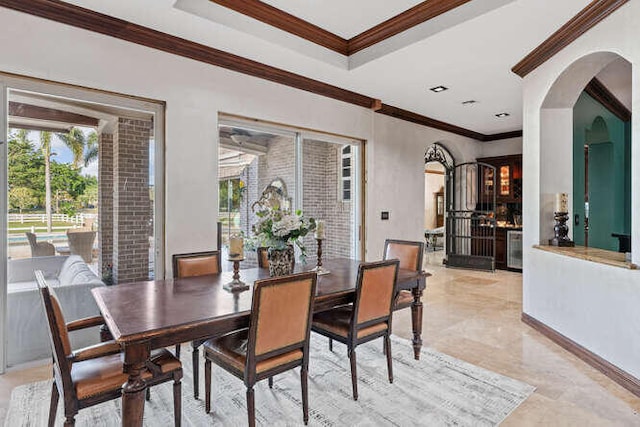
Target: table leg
416	321
133	391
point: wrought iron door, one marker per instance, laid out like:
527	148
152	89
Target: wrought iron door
471	223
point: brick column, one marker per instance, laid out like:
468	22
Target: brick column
105	200
132	205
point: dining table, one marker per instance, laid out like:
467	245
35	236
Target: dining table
143	316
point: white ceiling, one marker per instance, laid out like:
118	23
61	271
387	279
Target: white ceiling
346	18
472	57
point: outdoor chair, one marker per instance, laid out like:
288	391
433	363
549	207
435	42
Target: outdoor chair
410	256
192	265
81	243
94	374
39	248
277	338
368	318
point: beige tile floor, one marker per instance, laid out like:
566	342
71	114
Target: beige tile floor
475	316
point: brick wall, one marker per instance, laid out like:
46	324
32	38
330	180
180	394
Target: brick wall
132	205
105	200
322	199
321	191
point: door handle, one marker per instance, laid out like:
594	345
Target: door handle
576	219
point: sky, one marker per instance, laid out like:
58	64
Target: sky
64	154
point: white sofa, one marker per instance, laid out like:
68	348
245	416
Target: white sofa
72	280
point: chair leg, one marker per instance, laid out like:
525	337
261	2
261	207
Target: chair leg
354	374
387	346
177	402
196	371
270	382
330	344
251	407
53	408
305	395
147	394
178	351
207	386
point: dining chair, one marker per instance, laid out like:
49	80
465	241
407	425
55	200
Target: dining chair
93	375
368	318
192	265
410	255
39	248
277	338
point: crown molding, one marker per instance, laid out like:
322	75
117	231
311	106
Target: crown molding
586	19
598	91
418	14
503	135
410	116
87	19
278	18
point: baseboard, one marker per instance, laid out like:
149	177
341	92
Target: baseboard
616	374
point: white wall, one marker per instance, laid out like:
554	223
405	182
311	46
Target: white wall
593	304
501	147
195	93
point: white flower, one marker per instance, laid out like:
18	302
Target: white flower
286	225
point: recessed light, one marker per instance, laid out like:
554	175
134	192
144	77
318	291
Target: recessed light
469	102
438	89
502	115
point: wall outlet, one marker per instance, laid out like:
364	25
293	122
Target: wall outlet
384	215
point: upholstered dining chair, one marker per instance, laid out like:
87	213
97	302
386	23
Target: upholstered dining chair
410	256
39	248
81	243
192	265
368	318
93	375
277	338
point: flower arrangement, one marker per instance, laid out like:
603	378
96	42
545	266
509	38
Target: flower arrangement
277	229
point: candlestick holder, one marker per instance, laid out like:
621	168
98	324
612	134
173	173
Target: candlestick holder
319	269
561	229
236	285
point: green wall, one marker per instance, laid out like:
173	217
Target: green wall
609	139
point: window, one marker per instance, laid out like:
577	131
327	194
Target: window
346	172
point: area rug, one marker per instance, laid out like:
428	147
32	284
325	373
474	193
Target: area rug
437	390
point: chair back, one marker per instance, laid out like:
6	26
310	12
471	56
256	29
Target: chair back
39	248
280	316
58	334
81	243
196	264
409	253
375	290
263	259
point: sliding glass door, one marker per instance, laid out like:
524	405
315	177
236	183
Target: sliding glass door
84	173
315	172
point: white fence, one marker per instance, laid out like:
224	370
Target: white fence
77	219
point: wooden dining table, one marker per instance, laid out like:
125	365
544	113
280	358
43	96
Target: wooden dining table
143	316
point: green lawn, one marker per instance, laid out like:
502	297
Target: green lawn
15	224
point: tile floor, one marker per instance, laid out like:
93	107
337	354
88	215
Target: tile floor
475	316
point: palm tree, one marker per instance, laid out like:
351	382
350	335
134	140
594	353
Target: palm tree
91	151
76	141
45	145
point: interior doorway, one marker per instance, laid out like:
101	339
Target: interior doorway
439	164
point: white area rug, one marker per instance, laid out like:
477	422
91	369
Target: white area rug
437	390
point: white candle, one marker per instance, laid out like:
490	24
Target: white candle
236	247
319	234
562	202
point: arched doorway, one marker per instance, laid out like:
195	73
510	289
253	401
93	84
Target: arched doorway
438	166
